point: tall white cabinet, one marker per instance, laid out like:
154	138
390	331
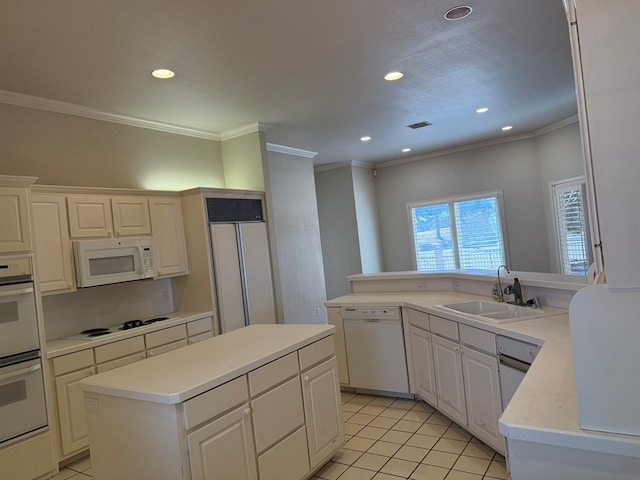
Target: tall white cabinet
604	318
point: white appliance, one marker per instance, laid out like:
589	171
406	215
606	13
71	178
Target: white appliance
241	262
375	349
515	358
100	262
22	399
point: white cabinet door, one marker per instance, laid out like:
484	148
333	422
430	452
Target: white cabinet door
15	234
170	251
423	373
335	319
482	388
89	216
323	411
449	380
130	215
73	422
51	243
223	449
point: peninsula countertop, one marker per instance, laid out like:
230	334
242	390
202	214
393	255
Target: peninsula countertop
184	373
544	408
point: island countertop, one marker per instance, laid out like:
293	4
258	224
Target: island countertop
181	374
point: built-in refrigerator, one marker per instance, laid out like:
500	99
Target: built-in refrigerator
241	262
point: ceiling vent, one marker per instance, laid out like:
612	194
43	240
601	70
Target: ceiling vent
419	125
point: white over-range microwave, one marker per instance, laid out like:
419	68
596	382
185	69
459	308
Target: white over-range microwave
100	262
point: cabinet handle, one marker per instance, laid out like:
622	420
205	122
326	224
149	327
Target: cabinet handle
482	424
306	378
247	412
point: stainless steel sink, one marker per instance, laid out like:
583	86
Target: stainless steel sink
493	312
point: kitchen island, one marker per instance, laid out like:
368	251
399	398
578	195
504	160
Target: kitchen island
260	400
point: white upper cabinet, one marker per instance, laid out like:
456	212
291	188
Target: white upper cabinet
168	236
52	244
15	231
97	216
130	215
604	45
89	216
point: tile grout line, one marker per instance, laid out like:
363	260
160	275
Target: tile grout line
451	424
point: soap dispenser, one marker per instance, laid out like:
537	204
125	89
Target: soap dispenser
517	292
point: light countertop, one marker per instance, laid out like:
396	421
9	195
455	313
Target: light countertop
64	346
184	373
544	409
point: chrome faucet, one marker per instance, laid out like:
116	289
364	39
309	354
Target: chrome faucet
500	292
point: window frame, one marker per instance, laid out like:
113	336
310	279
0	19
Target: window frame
451	201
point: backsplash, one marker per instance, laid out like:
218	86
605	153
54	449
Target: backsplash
104	306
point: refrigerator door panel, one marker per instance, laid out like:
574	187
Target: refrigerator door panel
227	269
257	270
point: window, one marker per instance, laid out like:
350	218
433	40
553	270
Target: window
571	226
458	233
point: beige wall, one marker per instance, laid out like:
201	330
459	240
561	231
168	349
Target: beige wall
68	150
242	159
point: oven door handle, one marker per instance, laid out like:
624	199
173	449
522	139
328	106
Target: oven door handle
20	291
20	373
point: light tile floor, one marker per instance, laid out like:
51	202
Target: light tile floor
394	439
391	439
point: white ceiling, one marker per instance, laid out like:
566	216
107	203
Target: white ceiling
312	71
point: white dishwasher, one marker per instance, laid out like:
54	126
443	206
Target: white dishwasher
375	349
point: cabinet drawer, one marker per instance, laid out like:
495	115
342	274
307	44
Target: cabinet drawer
73	361
266	377
168	335
200	326
154	352
480	339
316	352
200	337
444	327
418	319
210	404
119	349
277	413
292	452
120	362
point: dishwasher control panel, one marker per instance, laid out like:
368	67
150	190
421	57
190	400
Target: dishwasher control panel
388	313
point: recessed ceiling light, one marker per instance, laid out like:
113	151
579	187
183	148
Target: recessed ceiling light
457	13
508	127
405	150
163	73
482	110
393	76
365	139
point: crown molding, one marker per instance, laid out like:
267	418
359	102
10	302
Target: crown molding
244	130
352	163
473	146
274	147
39	103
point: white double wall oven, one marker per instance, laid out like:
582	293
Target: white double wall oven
22	397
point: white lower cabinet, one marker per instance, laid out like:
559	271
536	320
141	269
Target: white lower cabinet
423	373
449	379
224	448
457	374
73	426
482	387
287	460
323	411
70	369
